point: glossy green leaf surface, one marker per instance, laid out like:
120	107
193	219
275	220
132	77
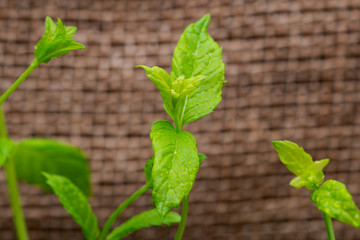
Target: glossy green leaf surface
333	198
34	156
197	54
143	220
309	173
75	203
6	148
176	164
56	41
150	163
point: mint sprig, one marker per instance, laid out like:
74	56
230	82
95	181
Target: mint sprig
193	88
191	91
331	197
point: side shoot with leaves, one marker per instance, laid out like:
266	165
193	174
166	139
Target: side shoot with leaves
191	91
28	158
331	197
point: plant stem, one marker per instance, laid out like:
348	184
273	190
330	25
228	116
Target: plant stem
120	209
9	166
3	129
329	227
13	189
179	122
178	127
23	76
184	213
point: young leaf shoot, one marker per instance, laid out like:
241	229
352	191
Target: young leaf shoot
331	197
56	41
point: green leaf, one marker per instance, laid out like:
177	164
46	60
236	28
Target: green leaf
56	41
176	164
6	148
143	220
333	198
197	54
150	163
159	76
75	203
34	156
202	157
161	80
309	173
148	171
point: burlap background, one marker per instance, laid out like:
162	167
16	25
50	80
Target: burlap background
293	73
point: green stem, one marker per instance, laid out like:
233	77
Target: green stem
329	227
23	76
184	213
179	122
120	209
3	129
9	166
13	189
178	127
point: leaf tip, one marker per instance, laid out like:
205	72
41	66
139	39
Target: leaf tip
205	20
203	23
201	157
285	145
48	19
81	46
320	164
59	21
45	174
277	144
142	66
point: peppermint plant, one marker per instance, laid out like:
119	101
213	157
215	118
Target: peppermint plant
331	197
191	91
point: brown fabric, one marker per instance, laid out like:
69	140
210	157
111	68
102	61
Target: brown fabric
293	73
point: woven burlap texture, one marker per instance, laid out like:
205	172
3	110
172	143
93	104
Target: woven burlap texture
293	73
